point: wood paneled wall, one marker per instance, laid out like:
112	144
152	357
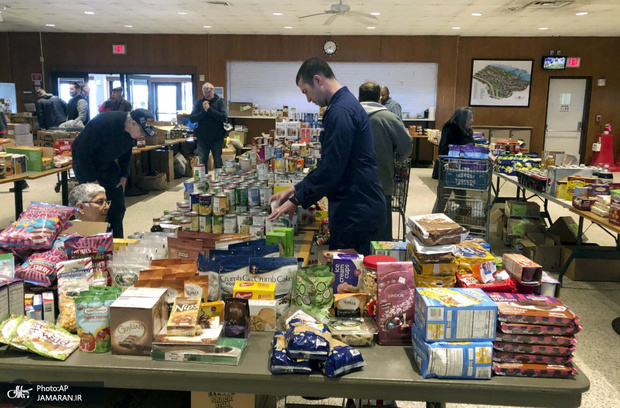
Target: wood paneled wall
208	54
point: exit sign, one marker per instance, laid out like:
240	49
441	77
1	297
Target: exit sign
573	62
119	49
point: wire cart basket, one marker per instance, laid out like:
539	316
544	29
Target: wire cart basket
402	170
464	192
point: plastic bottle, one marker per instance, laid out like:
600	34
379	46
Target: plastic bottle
605	176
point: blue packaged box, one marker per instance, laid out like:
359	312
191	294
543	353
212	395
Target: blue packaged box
452	359
455	314
347	270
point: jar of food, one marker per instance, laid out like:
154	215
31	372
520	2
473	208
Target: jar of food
369	278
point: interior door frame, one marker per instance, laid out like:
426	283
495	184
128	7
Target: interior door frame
586	111
155	91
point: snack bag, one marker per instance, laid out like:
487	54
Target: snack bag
44	338
342	359
211	269
281	363
7	328
278	270
100	248
312	290
92	314
236	318
37	227
40	268
308	341
74	277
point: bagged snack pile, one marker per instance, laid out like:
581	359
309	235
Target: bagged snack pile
306	345
535	336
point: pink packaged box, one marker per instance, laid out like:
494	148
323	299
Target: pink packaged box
395	302
533	349
566	341
504	357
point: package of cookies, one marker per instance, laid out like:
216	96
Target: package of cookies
533	348
436	229
566	341
507	357
262	315
358	332
350	304
432	253
184	317
533	309
539	329
347	270
534	370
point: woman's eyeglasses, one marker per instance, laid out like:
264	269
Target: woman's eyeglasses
101	203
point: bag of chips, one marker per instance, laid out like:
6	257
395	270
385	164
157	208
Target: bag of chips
37	227
43	338
342	359
40	268
100	248
312	290
74	277
92	312
280	361
308	341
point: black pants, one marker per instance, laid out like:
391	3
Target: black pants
358	240
214	146
385	232
109	179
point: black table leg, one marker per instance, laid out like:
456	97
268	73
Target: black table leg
64	181
17	192
573	255
435	405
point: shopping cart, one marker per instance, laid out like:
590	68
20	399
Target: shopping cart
399	198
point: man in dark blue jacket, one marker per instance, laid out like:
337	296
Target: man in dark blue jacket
107	137
347	171
210	113
51	110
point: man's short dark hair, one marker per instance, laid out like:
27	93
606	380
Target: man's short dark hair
75	85
369	92
310	68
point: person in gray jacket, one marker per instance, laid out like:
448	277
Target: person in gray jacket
392	141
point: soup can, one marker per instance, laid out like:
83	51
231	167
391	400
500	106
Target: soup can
230	224
257	230
229	166
194	201
253	196
230	192
278	166
204	222
188	187
193	217
264	195
261	169
185	223
290	165
183	206
217	226
199	172
299	165
259	218
206	204
219	204
241	194
243	222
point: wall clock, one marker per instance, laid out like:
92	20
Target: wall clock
330	47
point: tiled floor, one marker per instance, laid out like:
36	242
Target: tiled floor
597	303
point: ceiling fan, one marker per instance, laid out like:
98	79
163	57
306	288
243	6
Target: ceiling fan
14	14
344	10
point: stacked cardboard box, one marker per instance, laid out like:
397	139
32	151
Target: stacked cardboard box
522	217
535	336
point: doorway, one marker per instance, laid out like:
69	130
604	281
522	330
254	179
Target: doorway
568	104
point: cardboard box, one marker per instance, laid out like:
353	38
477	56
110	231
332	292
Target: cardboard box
522	209
580	269
454	314
222	400
326	256
15	290
240	136
160	138
561	173
34	156
347	269
136	320
24	140
9	170
472	359
262	315
162	161
254	290
519	227
43	143
19	163
240	108
565	228
522	269
498	219
391	248
544	249
14	129
152	183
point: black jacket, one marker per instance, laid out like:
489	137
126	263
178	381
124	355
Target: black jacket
51	111
451	134
72	110
210	123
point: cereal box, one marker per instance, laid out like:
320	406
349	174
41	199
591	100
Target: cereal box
347	270
455	314
452	359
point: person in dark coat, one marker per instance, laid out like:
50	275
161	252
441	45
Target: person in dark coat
210	113
116	103
109	137
347	171
51	110
77	106
456	131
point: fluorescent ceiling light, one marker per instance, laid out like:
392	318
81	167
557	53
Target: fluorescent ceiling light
371	28
456	28
206	26
128	26
543	28
50	25
89	12
277	14
182	13
288	27
476	14
582	13
375	14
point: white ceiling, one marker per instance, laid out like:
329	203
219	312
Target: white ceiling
398	17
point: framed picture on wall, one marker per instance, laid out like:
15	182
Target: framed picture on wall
506	83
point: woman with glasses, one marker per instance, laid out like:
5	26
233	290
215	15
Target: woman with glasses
91	202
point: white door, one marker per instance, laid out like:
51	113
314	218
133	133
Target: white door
565	105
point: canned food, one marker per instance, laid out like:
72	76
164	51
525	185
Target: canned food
299	165
188	187
257	230
230	224
193	217
229	166
290	165
244	220
206	202
215	189
241	194
204	223
261	169
259	218
278	165
199	172
253	196
185	223
220	174
194	201
183	206
217	226
220	204
264	195
230	194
